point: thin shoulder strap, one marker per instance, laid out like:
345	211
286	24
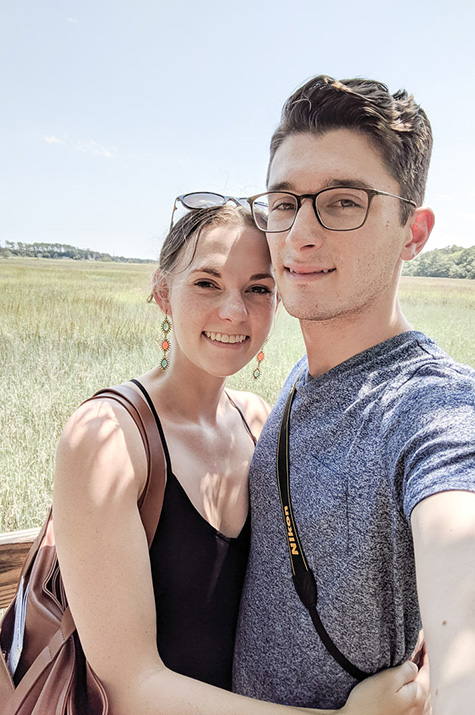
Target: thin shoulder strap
157	422
245	422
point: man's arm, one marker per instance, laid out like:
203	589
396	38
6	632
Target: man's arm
443	527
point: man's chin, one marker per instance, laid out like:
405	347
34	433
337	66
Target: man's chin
311	314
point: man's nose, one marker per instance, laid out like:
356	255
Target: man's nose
307	230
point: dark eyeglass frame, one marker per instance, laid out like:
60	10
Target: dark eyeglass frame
238	201
371	193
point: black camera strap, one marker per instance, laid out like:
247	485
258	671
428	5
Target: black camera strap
302	575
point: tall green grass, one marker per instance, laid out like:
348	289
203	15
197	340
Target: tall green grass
444	309
69	328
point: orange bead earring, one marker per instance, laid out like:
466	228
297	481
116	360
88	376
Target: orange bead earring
260	357
165	342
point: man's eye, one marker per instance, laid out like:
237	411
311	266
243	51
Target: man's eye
282	206
338	202
347	203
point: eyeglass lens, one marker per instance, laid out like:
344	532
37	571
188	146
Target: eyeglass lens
203	200
340	209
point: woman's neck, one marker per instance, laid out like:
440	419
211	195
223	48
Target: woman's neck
185	393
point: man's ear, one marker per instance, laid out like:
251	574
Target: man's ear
420	225
161	292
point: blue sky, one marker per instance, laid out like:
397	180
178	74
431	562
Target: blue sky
110	108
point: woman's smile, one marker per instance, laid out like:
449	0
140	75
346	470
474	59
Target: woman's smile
225	338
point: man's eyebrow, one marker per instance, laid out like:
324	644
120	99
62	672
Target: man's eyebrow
355	183
280	186
331	183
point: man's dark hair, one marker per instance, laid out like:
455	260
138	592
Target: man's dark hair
397	125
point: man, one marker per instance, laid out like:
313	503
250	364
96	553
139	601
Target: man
382	427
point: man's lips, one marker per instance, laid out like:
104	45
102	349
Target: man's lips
307	271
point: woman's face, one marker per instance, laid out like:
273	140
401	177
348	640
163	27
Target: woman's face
222	303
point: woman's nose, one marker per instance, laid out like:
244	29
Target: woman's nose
233	307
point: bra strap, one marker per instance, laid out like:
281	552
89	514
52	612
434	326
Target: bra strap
245	422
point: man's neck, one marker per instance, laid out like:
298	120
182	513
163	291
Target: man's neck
331	342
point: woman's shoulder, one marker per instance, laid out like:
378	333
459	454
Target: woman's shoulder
99	440
95	421
254	408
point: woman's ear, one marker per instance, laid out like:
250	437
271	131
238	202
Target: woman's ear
161	291
420	226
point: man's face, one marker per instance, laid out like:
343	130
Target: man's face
323	274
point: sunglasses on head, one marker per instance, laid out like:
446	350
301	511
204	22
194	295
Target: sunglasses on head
205	200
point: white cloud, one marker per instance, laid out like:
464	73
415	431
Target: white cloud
95	148
73	19
88	145
51	139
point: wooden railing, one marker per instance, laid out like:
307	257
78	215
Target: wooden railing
14	547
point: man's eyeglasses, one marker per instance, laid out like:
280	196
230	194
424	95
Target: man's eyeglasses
204	200
340	208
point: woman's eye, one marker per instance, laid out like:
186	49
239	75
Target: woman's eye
260	289
204	284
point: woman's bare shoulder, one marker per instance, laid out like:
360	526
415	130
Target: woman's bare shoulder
101	441
254	408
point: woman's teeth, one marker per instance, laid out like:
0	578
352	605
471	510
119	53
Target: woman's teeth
222	338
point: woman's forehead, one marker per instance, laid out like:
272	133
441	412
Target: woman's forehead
229	243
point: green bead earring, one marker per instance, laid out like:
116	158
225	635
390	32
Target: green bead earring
260	357
165	343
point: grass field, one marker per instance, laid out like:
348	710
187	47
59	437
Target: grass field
70	328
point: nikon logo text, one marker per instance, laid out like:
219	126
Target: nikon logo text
290	533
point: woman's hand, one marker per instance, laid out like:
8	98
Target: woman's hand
397	691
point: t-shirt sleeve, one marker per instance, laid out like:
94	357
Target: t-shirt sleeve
433	443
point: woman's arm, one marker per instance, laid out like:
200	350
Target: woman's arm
103	552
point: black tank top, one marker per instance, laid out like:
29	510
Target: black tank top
198	575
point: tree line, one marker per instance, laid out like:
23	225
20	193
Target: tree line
60	250
450	262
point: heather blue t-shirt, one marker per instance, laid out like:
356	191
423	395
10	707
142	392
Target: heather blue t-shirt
368	440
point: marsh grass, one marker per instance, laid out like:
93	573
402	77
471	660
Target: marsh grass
444	309
69	328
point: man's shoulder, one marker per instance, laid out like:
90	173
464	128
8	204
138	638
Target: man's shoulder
429	372
300	369
430	399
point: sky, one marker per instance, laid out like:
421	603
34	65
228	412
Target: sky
111	108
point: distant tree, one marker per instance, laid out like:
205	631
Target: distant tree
449	262
61	250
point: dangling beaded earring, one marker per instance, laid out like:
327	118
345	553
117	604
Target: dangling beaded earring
260	357
165	344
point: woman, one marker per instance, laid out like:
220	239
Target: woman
216	287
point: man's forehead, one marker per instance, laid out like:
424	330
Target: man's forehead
309	162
